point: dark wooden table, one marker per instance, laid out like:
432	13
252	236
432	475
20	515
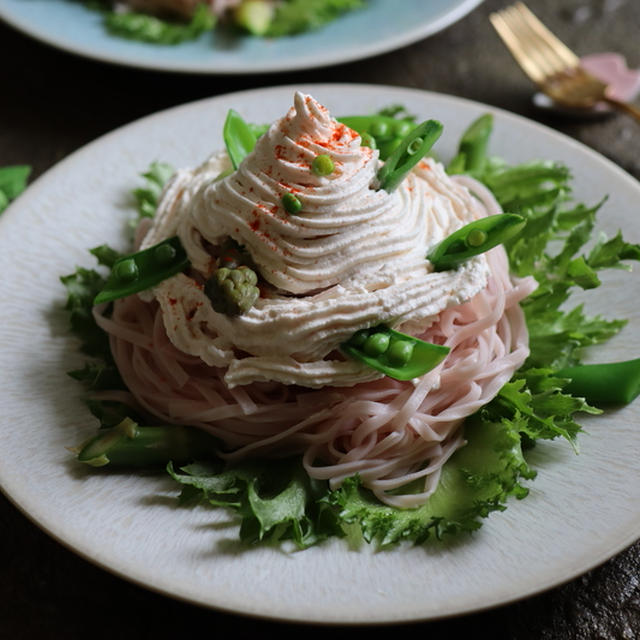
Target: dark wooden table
52	103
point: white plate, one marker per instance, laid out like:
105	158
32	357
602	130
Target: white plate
581	510
382	25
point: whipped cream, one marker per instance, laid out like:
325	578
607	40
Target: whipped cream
352	258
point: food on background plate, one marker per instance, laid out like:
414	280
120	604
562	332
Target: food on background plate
174	21
310	326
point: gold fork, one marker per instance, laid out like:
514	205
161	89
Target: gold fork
549	63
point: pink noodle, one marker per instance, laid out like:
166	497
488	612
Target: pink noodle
389	432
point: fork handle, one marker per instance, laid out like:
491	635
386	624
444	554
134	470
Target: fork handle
630	109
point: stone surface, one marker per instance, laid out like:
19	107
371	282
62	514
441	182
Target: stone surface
53	103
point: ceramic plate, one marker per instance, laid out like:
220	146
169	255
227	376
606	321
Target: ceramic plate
582	508
377	28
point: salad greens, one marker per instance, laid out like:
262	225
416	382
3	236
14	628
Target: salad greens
255	17
276	500
147	28
13	181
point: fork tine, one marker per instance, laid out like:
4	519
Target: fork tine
563	52
511	40
540	53
535	48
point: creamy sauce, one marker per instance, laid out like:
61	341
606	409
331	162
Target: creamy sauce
352	258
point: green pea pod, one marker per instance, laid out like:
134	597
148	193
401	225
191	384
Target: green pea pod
143	270
258	129
473	239
602	384
397	355
474	141
387	132
239	137
408	153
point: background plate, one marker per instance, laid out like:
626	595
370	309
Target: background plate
582	509
379	27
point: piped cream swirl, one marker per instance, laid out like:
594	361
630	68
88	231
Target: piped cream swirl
353	257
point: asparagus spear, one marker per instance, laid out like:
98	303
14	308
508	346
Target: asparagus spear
130	445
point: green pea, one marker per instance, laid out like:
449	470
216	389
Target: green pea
414	146
379	129
322	165
402	128
164	253
126	270
400	352
376	344
291	203
359	338
367	140
476	238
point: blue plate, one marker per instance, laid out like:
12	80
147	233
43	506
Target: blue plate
381	26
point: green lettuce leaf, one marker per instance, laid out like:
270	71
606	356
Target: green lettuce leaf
296	16
13	181
154	30
276	501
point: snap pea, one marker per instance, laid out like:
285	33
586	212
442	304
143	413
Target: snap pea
408	153
387	132
602	384
472	150
473	239
397	355
239	137
143	270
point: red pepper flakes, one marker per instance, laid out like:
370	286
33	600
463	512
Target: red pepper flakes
173	301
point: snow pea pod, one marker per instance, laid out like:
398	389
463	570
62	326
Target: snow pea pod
142	270
601	384
239	137
473	239
397	355
408	153
472	150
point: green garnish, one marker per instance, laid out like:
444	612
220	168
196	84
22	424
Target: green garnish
232	291
127	444
154	30
239	138
255	16
395	354
473	239
382	132
322	165
276	500
408	153
144	269
472	150
296	16
13	181
604	384
291	203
